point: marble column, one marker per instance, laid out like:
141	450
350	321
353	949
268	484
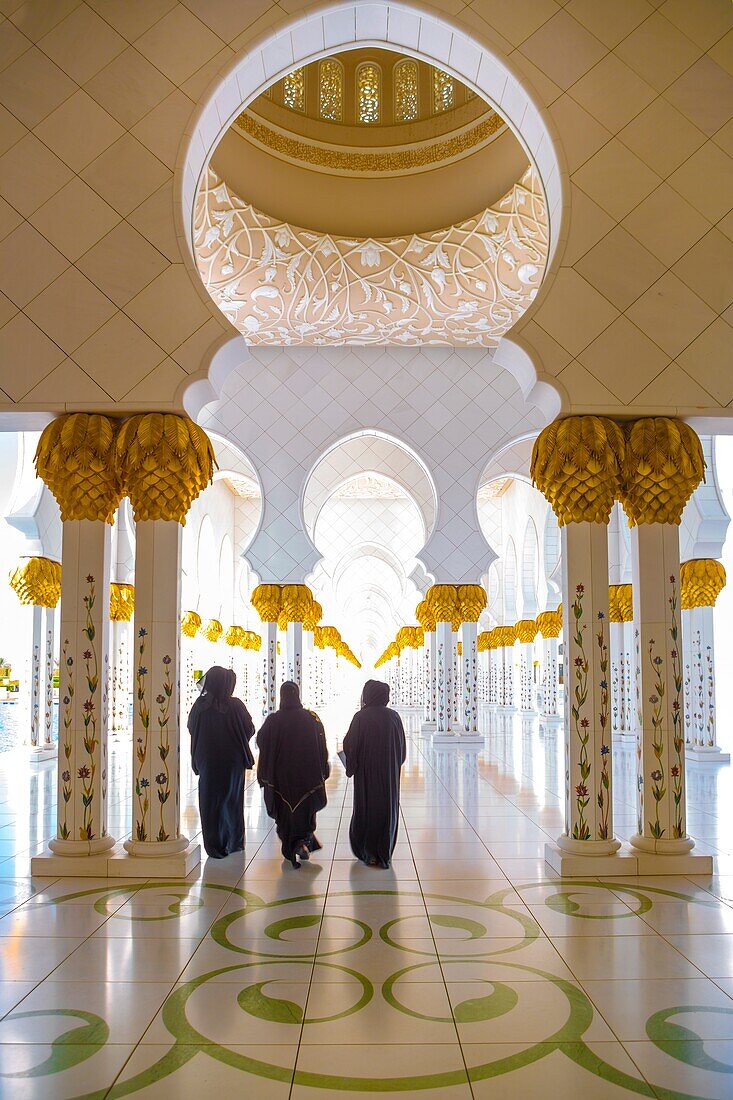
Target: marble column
469	633
526	629
623	721
270	682
663	465
702	580
165	462
76	459
37	582
444	660
294	650
429	674
550	625
576	463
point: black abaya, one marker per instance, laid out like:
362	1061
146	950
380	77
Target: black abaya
220	755
375	751
292	769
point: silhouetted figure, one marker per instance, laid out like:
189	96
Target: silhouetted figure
221	729
292	769
375	751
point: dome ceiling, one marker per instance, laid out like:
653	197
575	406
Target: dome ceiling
369	142
284	285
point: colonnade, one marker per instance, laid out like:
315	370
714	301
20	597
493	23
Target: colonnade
625	657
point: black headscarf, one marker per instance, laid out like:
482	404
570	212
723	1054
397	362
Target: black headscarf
218	687
289	696
375	694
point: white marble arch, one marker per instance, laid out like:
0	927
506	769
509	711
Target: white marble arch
406	28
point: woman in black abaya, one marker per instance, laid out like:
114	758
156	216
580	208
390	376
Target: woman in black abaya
221	729
375	751
292	770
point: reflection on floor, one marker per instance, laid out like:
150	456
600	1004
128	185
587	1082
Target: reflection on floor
466	970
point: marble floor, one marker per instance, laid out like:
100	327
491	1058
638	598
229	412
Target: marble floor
467	970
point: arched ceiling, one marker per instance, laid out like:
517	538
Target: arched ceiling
279	284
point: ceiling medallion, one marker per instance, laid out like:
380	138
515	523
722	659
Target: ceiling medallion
282	285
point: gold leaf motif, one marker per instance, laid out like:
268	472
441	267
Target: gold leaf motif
576	464
701	580
121	602
76	459
37	581
662	467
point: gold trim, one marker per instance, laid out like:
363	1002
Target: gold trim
401	160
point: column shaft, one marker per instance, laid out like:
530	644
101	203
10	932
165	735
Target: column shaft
588	791
156	829
661	806
36	685
269	641
444	662
469	634
82	752
550	679
294	645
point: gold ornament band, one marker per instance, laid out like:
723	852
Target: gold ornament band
471	601
297	603
525	630
121	602
37	581
266	599
576	464
663	465
76	459
190	623
166	461
442	600
213	630
235	636
549	623
425	616
701	581
620	603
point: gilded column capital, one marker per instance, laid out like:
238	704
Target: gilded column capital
165	461
37	581
213	630
471	601
121	602
442	600
76	459
235	636
190	623
701	581
505	636
620	603
549	623
576	464
425	615
297	603
663	465
525	630
266	599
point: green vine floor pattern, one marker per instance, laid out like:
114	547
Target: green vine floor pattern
388	965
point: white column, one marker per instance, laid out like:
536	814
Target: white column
469	633
588	791
551	680
120	678
269	675
444	659
36	685
631	721
699	642
662	824
156	805
294	647
83	715
526	677
46	745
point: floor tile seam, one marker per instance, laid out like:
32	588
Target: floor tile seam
664	937
315	952
440	966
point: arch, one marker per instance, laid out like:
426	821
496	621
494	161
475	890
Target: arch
368	93
364	452
406	91
226	580
207	603
530	565
432	38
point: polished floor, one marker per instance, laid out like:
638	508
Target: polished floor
468	969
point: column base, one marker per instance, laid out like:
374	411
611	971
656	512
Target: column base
176	864
150	849
701	754
448	737
38	753
626	862
427	729
71	849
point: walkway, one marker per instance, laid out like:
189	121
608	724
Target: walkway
466	970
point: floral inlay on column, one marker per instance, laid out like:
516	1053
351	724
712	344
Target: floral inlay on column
576	463
663	464
166	461
76	459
